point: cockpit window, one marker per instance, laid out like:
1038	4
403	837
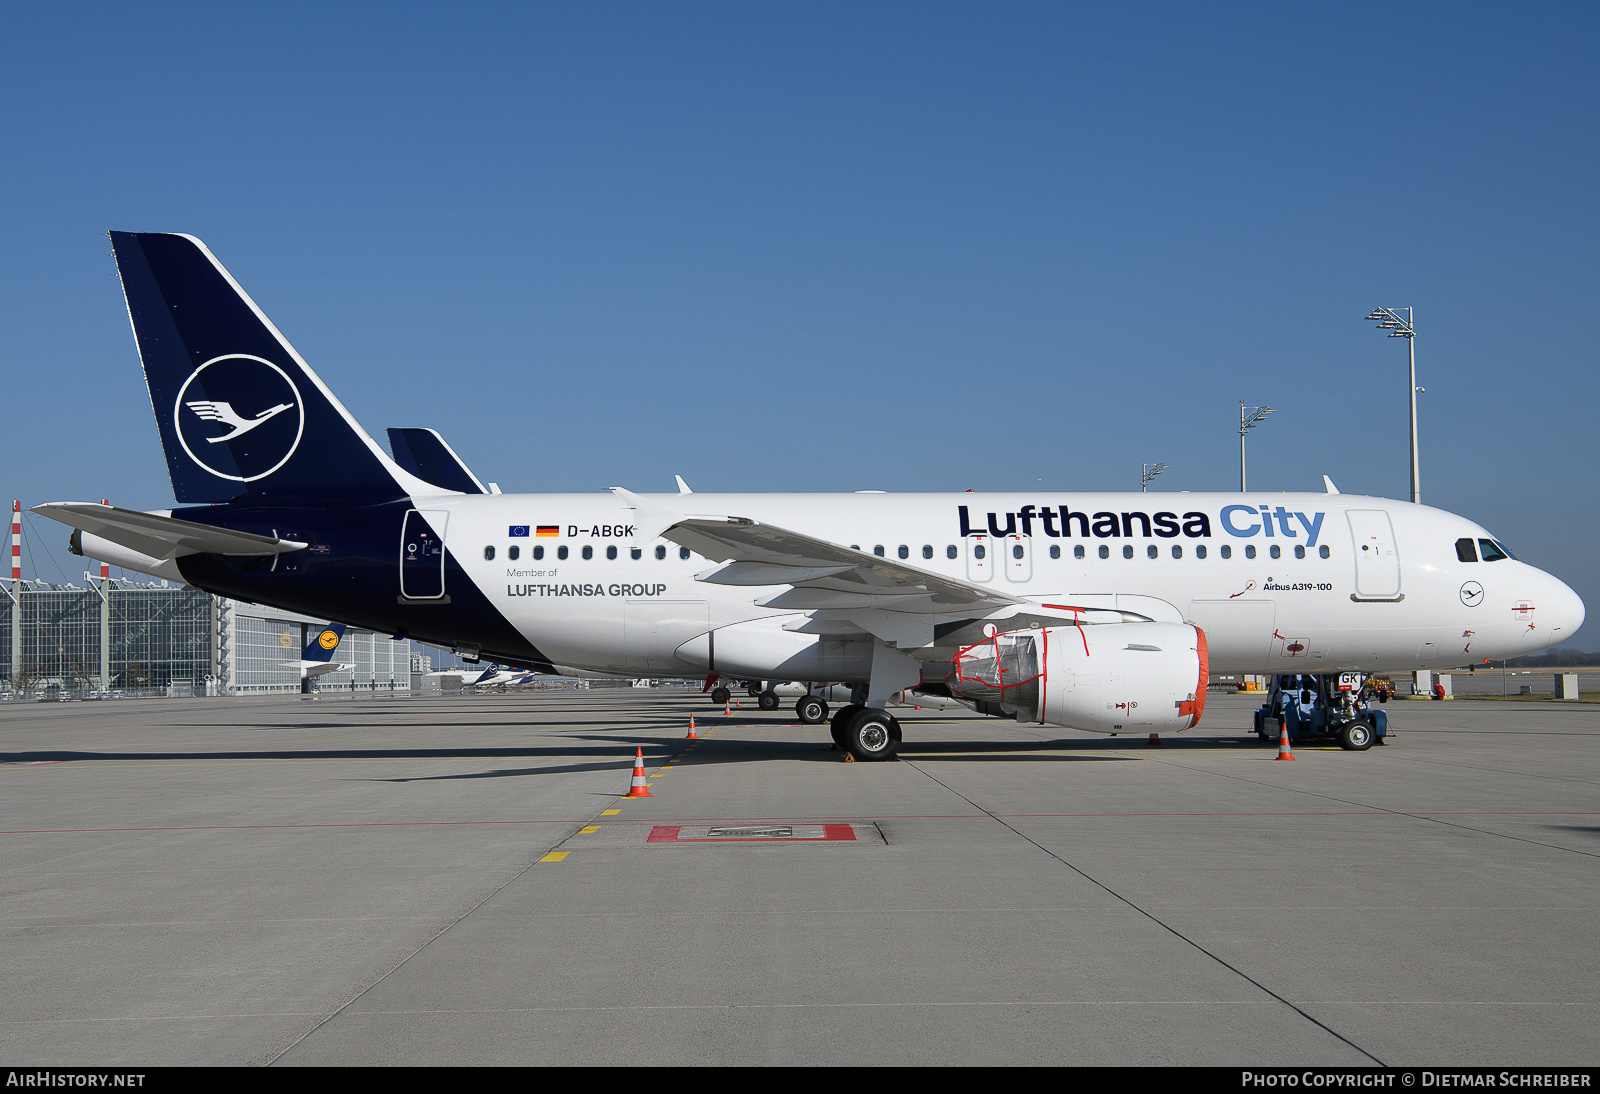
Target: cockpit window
1465	551
1492	551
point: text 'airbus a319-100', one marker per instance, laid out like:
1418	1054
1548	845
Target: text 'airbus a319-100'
1101	612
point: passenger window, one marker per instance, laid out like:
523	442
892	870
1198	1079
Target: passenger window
950	551
1299	551
611	552
1077	551
1016	550
927	550
635	553
1127	550
1177	552
1151	551
904	551
561	553
1323	550
878	550
1227	551
1276	551
538	552
1200	551
978	551
1249	550
1492	551
661	552
588	553
1105	552
1055	550
1465	552
683	553
513	552
488	554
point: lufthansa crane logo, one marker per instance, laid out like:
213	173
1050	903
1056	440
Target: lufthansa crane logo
327	640
239	417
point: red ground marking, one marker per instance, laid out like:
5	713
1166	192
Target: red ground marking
669	833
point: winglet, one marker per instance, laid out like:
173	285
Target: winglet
1332	489
653	518
683	487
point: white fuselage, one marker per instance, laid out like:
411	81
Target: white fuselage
1376	585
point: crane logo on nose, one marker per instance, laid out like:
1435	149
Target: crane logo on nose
1472	594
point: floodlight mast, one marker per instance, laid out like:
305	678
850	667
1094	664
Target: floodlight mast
1151	470
1389	319
1249	418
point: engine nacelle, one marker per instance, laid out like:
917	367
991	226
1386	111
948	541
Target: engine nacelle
1112	677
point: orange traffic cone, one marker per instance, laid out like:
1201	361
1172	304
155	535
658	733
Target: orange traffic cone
727	711
1155	739
693	736
638	789
1284	752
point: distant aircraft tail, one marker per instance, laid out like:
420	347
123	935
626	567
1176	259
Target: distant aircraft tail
240	413
426	455
323	643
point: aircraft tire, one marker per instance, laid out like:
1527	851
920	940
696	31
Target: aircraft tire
767	700
1356	736
873	735
811	711
720	695
752	689
841	721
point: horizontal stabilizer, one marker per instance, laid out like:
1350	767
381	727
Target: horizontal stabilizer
161	537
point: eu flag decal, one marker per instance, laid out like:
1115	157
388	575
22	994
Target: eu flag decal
519	531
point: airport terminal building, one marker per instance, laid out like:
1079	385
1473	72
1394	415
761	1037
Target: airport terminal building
115	636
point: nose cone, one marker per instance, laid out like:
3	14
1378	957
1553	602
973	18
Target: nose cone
1567	612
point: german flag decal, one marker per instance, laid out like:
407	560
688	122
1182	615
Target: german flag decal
549	530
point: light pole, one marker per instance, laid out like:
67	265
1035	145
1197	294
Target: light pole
1249	418
1151	470
1389	319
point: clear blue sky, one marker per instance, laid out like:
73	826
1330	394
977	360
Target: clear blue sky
823	246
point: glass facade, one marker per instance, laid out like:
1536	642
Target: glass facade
175	640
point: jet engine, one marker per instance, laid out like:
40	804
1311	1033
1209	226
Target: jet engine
1111	677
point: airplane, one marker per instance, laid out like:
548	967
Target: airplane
317	658
1096	612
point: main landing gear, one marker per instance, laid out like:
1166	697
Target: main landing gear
866	732
810	710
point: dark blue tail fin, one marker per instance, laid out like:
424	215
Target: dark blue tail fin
321	647
240	413
425	454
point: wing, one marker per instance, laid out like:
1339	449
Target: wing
823	574
846	590
843	589
216	411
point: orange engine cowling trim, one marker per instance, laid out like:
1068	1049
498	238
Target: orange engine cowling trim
1197	706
